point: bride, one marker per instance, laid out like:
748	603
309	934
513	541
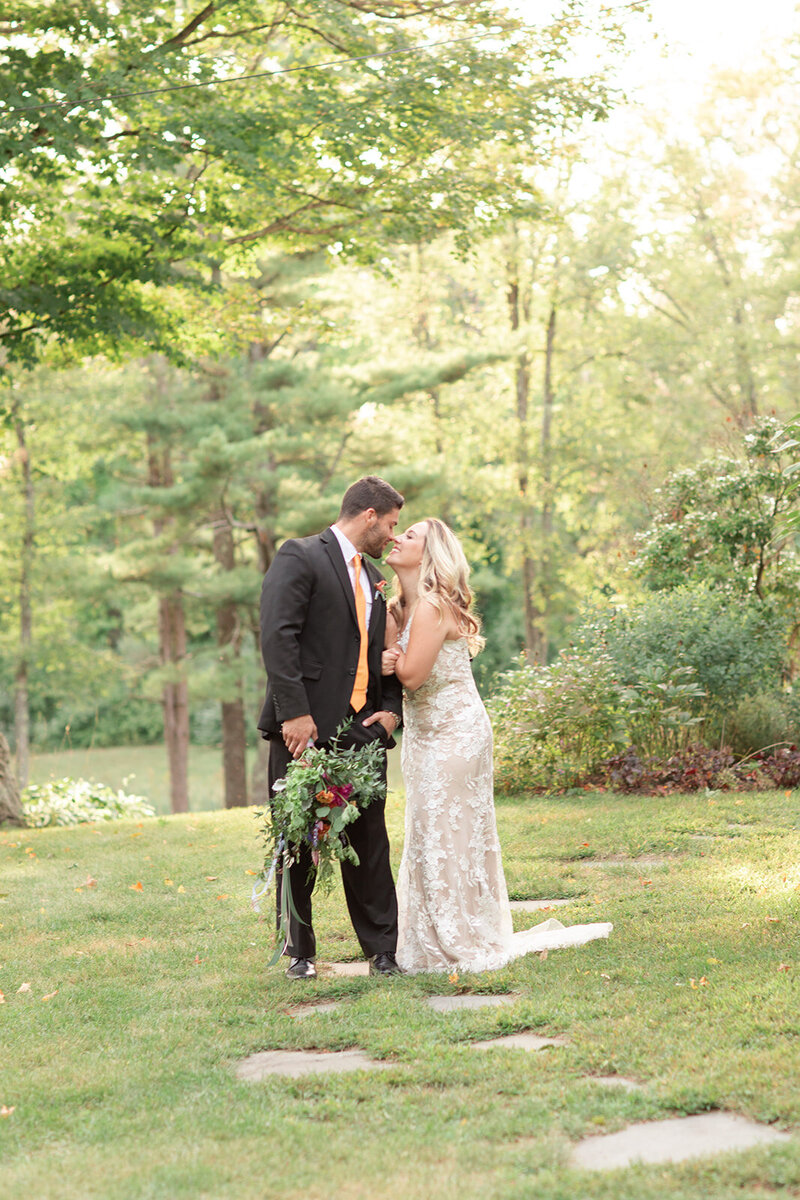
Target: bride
453	903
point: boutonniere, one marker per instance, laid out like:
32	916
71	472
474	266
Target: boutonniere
380	589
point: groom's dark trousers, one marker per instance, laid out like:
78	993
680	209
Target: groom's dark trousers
368	888
310	645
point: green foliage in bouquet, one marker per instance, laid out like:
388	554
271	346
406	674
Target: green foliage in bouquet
323	792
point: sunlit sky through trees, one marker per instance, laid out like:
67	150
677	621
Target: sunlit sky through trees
673	55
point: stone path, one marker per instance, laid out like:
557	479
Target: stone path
343	970
295	1063
299	1011
672	1141
454	1003
519	1041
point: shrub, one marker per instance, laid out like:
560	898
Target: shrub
75	801
552	724
694	769
782	767
759	722
735	645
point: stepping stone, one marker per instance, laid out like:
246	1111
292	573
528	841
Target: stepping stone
520	1041
307	1010
536	905
345	970
617	1081
452	1003
672	1141
294	1063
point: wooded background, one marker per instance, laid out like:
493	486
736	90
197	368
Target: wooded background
223	303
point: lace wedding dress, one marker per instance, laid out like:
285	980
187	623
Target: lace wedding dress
453	903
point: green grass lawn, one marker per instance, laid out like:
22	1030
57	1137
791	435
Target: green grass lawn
118	1059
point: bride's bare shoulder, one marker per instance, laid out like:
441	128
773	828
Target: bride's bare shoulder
429	616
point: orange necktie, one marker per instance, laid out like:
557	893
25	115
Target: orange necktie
359	696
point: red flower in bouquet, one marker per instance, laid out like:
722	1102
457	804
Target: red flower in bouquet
340	794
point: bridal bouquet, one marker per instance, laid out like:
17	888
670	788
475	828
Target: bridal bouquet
323	792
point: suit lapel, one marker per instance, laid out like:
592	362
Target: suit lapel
336	557
378	601
334	551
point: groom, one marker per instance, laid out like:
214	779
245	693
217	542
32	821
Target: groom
323	619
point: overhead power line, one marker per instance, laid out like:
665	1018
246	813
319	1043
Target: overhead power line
180	87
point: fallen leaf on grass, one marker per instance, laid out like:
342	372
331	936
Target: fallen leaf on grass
137	887
783	967
169	883
696	983
211	878
90	882
50	995
181	888
249	872
645	882
453	977
224	896
24	987
78	889
542	955
5	1111
2	998
198	959
774	919
133	835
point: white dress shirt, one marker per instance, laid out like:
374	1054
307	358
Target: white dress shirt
348	550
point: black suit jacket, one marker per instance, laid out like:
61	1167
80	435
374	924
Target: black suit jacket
310	640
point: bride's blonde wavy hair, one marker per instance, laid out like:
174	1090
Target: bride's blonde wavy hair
444	581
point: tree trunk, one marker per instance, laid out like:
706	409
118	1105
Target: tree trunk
175	699
546	457
229	633
425	340
21	707
172	646
535	641
258	776
10	803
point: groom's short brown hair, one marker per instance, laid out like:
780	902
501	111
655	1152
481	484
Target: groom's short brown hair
370	492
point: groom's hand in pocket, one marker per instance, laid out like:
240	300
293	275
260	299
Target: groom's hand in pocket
388	720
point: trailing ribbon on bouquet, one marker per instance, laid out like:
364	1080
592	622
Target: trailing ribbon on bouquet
287	902
264	880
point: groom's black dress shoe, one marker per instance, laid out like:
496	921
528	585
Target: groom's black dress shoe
301	968
384	964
